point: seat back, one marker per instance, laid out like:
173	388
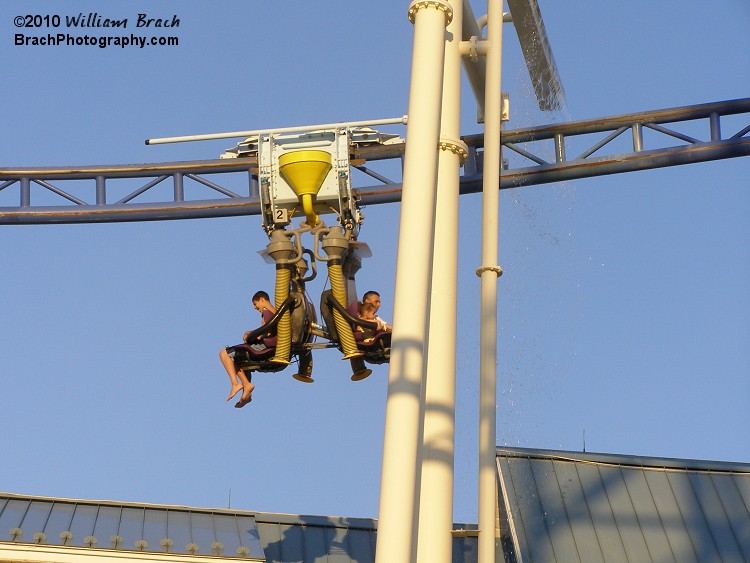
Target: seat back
327	315
257	358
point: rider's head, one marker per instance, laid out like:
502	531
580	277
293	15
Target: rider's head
367	311
261	300
372	297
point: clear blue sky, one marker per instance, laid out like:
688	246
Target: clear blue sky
624	309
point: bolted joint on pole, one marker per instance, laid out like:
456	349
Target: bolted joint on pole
457	147
482	269
473	48
441	5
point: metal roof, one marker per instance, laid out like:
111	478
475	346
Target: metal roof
95	526
102	529
287	538
554	506
567	507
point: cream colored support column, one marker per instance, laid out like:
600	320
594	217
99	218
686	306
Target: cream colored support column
436	497
397	523
489	273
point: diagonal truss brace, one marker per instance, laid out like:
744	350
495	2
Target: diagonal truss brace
536	155
655	141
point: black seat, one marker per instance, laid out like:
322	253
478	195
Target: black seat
257	355
376	351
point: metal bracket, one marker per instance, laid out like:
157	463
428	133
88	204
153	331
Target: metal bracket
497	269
441	5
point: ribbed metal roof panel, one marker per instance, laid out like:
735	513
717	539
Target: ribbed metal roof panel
270	537
314	539
128	527
566	507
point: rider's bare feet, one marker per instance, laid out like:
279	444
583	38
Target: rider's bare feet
246	396
235	389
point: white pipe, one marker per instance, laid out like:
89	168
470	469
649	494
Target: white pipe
398	487
435	542
488	273
482	20
475	65
475	68
297	129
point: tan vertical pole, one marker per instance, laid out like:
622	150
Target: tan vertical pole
488	273
436	497
397	524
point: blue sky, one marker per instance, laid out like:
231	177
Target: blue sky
624	311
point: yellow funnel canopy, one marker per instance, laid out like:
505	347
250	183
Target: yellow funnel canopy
305	172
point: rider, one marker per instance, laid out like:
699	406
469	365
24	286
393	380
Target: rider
367	313
239	380
373	297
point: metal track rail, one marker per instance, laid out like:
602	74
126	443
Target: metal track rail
538	155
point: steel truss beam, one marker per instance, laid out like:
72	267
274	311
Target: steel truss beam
662	145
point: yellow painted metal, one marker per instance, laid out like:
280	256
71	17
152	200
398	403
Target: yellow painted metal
346	336
281	249
284	328
305	171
